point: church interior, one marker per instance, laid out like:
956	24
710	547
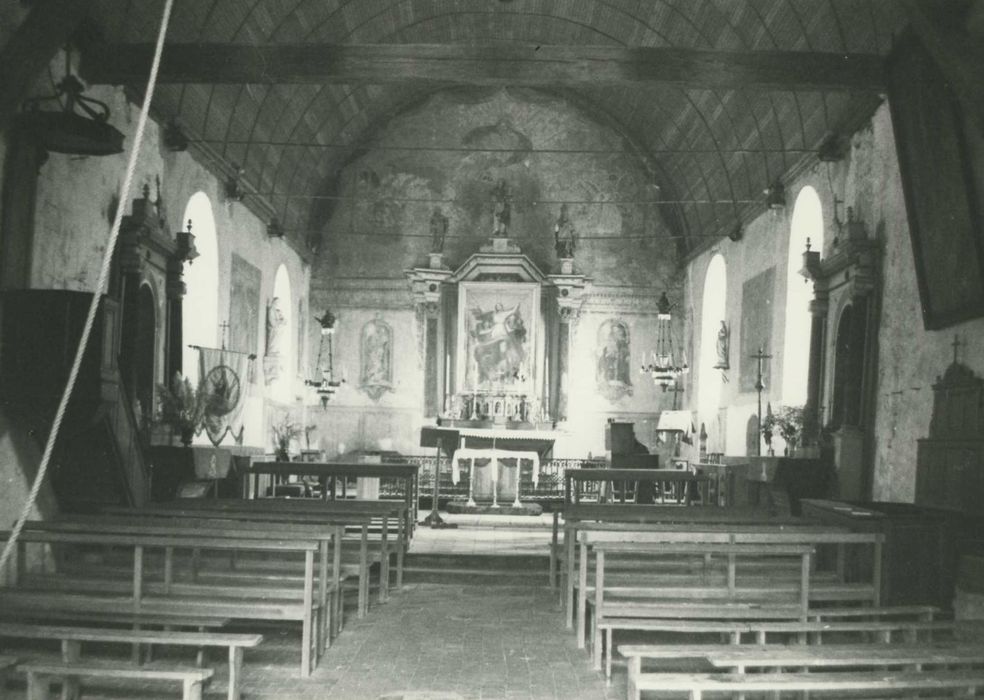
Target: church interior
501	349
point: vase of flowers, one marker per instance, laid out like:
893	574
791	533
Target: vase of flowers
788	422
284	432
182	407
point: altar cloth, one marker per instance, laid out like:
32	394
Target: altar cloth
494	455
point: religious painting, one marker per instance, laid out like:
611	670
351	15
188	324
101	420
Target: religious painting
244	306
376	358
497	326
940	151
756	328
612	359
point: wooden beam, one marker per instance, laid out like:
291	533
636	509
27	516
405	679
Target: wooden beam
485	65
45	30
959	54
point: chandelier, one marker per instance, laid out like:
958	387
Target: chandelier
666	365
326	384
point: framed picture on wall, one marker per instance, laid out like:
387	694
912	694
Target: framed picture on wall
943	193
497	336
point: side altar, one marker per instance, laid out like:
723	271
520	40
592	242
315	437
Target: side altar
496	335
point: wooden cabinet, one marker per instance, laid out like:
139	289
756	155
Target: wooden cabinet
950	462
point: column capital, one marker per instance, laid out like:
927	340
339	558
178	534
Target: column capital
426	286
571	291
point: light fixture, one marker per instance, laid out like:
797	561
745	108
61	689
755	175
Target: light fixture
666	366
736	234
775	196
274	229
233	190
81	126
832	149
326	385
186	245
174	138
811	262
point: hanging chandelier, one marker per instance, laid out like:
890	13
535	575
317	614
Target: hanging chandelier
666	365
326	384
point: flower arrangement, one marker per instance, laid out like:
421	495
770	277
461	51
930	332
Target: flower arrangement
182	406
284	432
787	421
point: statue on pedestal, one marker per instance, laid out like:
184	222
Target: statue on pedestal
500	209
565	237
438	230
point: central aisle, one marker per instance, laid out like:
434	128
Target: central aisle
467	640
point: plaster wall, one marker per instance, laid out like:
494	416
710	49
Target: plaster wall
910	358
76	200
448	153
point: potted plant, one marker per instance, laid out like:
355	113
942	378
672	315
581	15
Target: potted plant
182	407
788	422
284	432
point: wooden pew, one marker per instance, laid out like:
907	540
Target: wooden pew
284	516
71	639
306	610
908	660
885	631
328	535
40	675
736	533
730	601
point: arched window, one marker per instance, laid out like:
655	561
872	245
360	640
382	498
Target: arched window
200	316
280	336
713	330
807	225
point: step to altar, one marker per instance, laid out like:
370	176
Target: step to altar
464	508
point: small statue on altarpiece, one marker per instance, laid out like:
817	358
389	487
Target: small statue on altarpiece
438	230
565	237
500	209
723	342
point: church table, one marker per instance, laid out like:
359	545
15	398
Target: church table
503	443
328	472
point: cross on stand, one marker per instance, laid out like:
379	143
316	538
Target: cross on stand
760	356
224	328
956	345
676	390
445	440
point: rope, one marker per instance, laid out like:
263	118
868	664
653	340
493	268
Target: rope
97	294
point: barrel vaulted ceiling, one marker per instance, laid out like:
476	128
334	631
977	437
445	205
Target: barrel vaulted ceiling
712	136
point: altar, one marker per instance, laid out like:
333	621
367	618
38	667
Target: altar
494	458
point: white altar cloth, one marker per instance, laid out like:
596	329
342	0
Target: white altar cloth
492	454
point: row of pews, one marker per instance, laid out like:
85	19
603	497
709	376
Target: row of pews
760	604
177	573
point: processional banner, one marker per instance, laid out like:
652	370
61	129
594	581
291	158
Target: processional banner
224	378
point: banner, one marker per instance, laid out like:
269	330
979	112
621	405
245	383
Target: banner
224	377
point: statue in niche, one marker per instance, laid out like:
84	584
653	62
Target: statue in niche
377	358
723	345
500	209
439	230
612	360
565	237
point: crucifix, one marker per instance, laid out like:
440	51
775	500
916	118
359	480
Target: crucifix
760	357
956	346
676	389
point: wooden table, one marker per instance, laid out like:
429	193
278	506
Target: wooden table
574	478
328	472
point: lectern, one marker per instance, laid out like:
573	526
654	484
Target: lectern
446	440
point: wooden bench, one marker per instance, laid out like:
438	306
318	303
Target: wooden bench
885	631
71	639
41	674
698	602
910	659
7	664
306	610
328	535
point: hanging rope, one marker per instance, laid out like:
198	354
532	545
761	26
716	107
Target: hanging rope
97	294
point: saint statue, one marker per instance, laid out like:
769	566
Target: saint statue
500	209
564	234
274	326
439	230
723	340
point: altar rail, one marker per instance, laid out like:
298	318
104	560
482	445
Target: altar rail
550	486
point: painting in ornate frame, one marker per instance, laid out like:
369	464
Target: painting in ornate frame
498	328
